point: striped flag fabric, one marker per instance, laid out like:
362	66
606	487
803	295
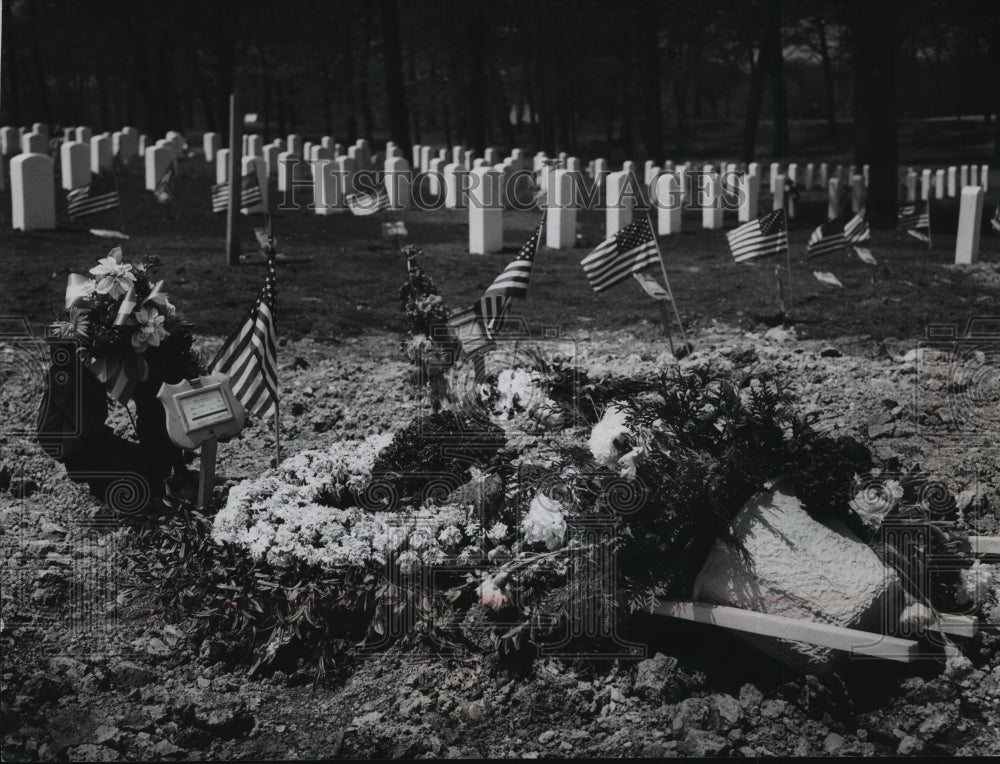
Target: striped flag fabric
367	204
250	193
856	230
467	326
220	197
767	235
625	252
827	238
913	217
491	310
995	220
100	195
865	255
165	186
513	281
249	356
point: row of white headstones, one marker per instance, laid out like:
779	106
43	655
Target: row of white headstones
81	156
480	184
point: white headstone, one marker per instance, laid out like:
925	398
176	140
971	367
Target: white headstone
327	196
823	178
253	163
952	182
346	170
327	143
221	166
41	129
925	184
211	143
778	192
143	144
810	177
711	212
457	154
939	184
270	153
9	141
492	156
416	154
793	173
456	180
158	158
294	144
243	144
287	161
749	198
911	185
307	148
669	200
618	207
833	210
34	143
970	219
984	176
435	177
397	182
963	176
560	213
255	145
864	173
75	159
101	158
973	175
84	134
485	211
33	193
858	190
773	177
467	158
478	162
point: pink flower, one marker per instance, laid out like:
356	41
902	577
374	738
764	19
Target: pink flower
114	278
150	330
491	594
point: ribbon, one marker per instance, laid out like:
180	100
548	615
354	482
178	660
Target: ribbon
76	290
119	374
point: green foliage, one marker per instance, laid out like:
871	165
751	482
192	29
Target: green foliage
444	443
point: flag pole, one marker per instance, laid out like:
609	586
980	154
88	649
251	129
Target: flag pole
663	267
235	165
788	265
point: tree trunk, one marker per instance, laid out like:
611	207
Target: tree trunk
395	85
475	30
649	79
755	95
779	91
831	94
875	38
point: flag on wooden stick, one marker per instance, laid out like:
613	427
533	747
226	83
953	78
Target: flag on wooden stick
913	217
767	235
249	355
625	252
99	195
367	204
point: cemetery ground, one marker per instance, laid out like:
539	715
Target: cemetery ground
93	668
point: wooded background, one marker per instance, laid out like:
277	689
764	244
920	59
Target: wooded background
631	79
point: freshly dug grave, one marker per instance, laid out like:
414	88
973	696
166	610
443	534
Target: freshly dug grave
157	693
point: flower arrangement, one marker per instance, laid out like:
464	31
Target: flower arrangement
126	325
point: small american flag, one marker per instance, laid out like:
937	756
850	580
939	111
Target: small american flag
625	252
100	195
913	217
249	356
767	235
250	194
367	204
827	238
467	326
856	229
165	187
220	197
513	282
